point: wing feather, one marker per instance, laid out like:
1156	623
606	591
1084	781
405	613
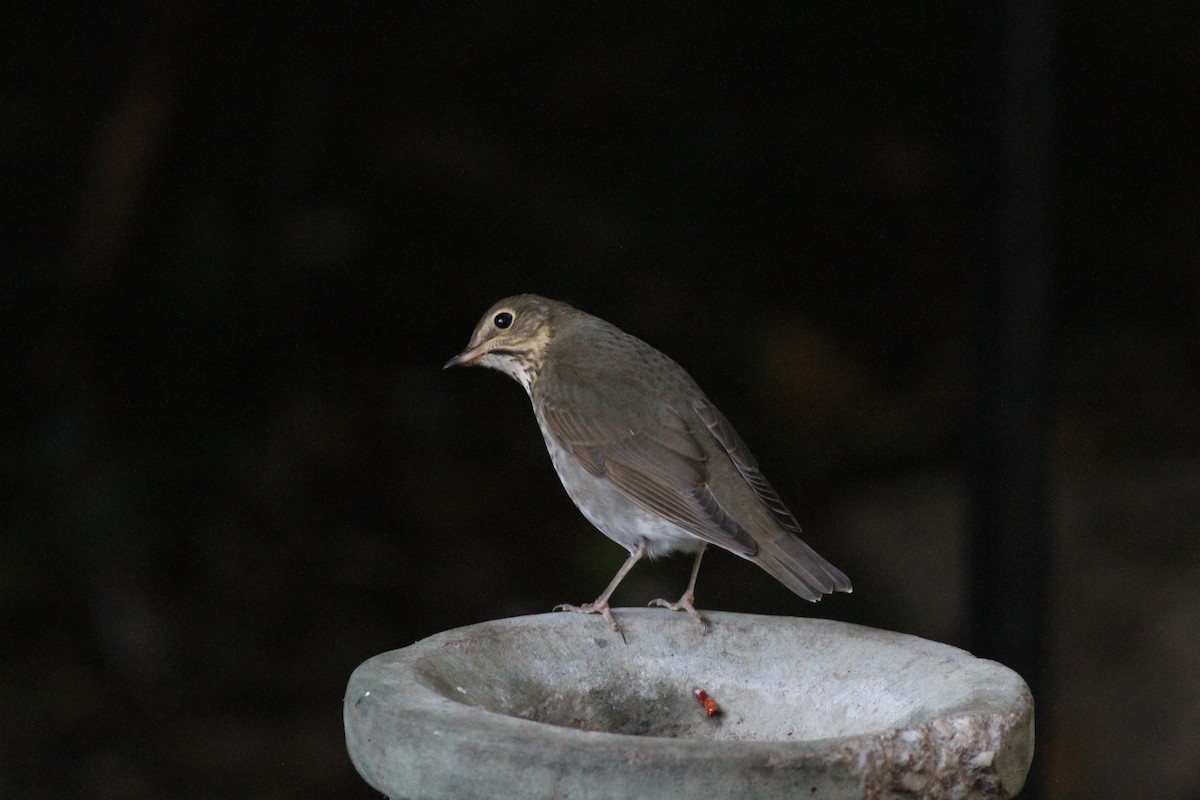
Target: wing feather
654	459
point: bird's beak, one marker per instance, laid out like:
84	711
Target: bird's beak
466	358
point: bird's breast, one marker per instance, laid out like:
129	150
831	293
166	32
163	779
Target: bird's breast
614	514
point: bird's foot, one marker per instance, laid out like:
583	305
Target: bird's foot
599	607
683	604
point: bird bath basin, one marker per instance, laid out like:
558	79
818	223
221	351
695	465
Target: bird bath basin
556	705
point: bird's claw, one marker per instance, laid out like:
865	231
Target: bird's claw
599	607
683	604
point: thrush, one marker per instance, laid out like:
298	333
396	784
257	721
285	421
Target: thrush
640	449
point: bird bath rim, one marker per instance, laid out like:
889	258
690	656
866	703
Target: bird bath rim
560	699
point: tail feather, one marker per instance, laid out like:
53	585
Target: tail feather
800	568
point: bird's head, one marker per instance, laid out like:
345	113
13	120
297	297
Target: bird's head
511	337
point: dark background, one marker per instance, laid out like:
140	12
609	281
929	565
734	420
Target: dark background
240	241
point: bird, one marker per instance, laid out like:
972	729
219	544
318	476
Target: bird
641	450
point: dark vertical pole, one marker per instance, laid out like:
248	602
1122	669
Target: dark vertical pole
1017	104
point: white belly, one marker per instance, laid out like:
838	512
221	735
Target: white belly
614	514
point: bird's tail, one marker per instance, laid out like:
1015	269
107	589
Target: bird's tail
800	568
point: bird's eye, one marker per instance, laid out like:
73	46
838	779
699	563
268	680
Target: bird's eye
503	319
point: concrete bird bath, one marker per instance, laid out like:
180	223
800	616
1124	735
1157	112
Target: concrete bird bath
557	706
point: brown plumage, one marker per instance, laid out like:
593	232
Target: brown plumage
640	449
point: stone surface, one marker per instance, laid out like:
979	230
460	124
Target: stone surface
556	705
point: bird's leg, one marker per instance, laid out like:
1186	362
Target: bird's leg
600	605
689	595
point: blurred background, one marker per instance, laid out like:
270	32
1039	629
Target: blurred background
240	240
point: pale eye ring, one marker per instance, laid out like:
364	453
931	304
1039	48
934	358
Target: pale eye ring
503	320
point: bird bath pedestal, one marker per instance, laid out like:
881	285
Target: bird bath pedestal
558	706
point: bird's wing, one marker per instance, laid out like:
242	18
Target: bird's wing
782	553
650	456
728	438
